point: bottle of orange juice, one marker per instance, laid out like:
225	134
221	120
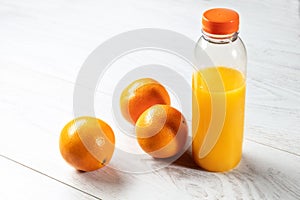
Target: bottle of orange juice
219	92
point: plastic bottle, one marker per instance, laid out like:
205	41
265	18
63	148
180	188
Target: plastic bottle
219	92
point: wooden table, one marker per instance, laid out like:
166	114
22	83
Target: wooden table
43	45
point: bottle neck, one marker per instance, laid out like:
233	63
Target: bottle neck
220	39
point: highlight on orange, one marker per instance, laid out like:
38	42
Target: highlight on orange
87	143
141	95
161	131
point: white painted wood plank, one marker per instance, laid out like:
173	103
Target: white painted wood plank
19	182
56	41
31	94
273	116
264	173
34	117
54	38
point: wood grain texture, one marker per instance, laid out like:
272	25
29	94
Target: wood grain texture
261	174
57	36
264	173
19	182
42	47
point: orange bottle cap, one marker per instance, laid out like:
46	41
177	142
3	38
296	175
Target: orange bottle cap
220	21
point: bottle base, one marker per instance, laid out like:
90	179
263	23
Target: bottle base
217	166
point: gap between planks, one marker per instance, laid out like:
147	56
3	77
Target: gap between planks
46	175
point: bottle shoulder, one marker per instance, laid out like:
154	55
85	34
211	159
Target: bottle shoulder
223	47
230	53
221	42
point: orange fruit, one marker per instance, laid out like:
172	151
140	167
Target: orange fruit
161	131
87	143
140	95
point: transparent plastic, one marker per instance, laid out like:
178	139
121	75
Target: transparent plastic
219	85
223	50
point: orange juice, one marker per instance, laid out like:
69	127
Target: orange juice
218	117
